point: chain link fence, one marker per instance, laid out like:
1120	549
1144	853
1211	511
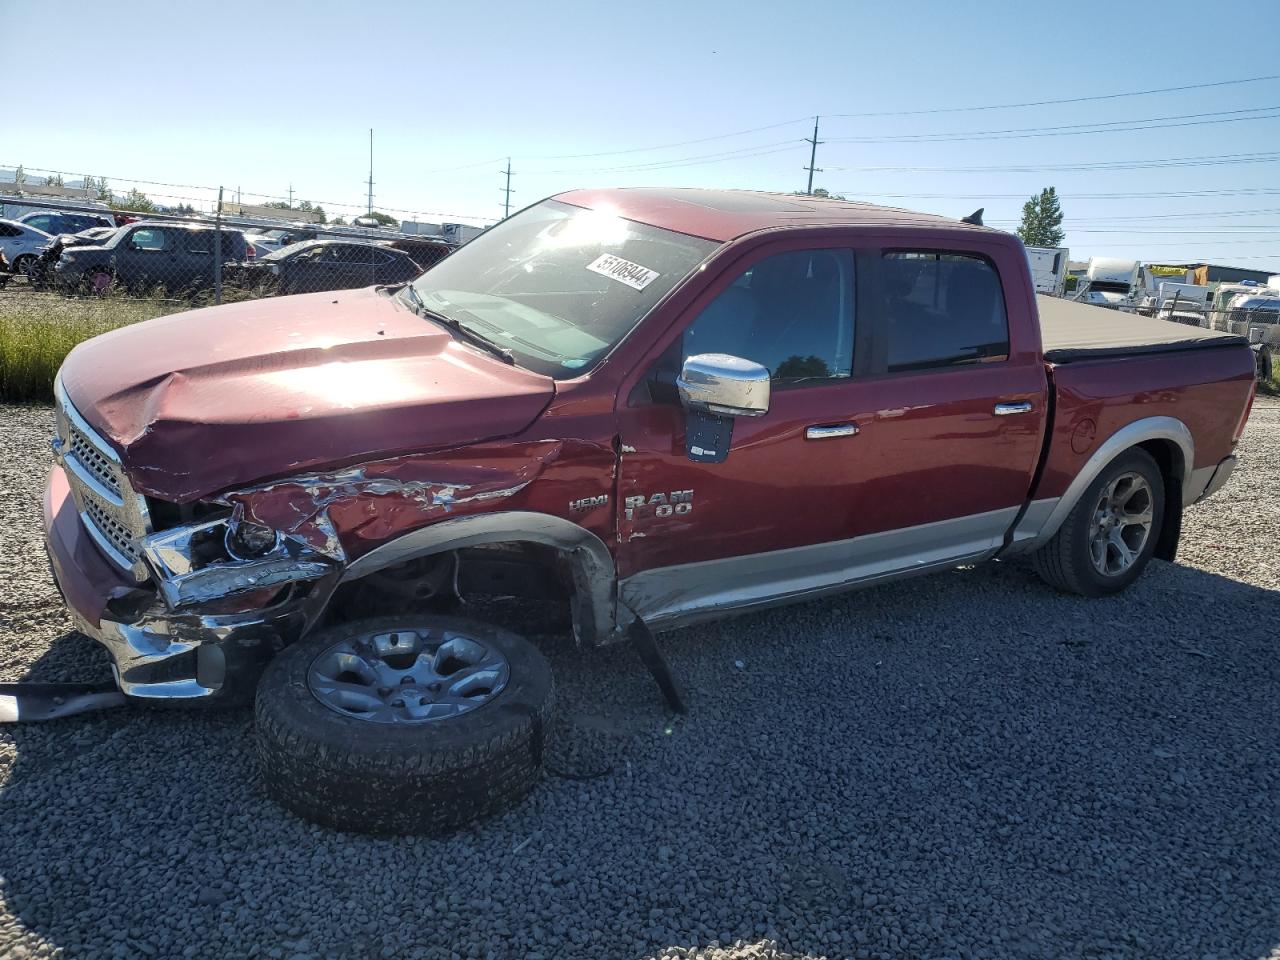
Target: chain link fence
197	260
71	273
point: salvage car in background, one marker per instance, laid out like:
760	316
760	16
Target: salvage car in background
315	265
40	270
143	255
655	407
55	222
21	244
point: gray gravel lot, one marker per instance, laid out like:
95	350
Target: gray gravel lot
964	766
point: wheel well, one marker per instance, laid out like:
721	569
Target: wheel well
1169	458
507	579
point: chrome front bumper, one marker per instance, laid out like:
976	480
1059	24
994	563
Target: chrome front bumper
194	657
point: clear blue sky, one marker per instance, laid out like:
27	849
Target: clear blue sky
261	95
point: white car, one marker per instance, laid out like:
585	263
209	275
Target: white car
21	244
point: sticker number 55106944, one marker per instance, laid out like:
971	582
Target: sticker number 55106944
624	271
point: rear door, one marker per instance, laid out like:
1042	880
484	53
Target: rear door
892	458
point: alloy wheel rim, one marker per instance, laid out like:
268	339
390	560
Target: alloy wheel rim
1122	520
408	676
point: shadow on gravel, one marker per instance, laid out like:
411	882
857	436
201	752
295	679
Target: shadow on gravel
969	765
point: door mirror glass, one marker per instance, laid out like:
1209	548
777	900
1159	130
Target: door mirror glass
724	385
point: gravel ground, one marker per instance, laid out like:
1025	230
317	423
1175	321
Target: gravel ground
965	766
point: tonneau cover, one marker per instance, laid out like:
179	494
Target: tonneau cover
1077	331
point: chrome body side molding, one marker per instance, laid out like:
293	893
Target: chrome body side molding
685	593
593	570
1043	517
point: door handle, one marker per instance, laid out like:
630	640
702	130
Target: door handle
1006	409
830	431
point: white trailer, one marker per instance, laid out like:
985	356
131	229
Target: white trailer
1049	269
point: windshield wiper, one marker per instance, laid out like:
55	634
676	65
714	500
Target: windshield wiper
419	306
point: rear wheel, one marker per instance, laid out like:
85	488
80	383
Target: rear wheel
23	264
1110	535
399	725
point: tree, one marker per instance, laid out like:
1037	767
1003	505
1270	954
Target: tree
382	218
136	201
19	176
1042	220
102	190
54	180
339	221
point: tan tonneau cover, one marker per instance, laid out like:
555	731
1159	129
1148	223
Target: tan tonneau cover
1079	331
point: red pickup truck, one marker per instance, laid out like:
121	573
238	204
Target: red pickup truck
654	407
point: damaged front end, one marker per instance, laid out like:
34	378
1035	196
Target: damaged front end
215	618
188	612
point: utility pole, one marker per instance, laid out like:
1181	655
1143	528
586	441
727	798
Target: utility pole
813	155
507	191
291	196
370	210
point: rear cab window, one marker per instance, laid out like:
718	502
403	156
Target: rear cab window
941	309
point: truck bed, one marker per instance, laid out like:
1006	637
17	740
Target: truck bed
1073	331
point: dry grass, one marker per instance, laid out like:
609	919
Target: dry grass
38	330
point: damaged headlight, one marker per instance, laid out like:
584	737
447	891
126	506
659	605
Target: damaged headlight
207	562
246	540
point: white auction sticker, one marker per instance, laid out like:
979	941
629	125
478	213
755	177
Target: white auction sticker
624	271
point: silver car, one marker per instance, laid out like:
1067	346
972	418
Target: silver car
21	244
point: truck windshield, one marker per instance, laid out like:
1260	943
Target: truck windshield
557	285
1109	286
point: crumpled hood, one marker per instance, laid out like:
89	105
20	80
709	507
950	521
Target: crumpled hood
210	400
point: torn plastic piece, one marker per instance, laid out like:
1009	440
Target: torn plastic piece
20	702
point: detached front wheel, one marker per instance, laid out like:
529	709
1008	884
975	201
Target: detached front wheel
398	725
1108	538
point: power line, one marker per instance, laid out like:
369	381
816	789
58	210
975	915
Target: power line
1048	103
741	153
1076	129
1211	160
883	113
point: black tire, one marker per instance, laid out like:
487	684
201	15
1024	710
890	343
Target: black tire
1065	562
22	265
383	778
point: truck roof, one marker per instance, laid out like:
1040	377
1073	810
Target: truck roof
724	215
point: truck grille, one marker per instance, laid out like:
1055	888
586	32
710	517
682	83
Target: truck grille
114	515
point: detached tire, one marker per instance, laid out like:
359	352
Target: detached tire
1110	535
407	724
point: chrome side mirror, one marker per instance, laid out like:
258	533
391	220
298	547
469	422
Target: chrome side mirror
724	386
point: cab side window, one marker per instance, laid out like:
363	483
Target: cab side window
941	310
792	313
148	239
